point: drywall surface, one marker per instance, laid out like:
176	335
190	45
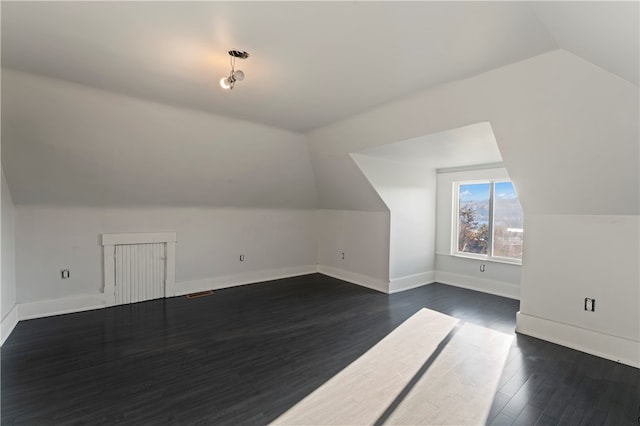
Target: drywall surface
497	278
568	134
551	113
8	251
209	243
66	144
408	189
403	175
571	257
583	27
501	279
363	237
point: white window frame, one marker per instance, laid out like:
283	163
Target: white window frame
456	223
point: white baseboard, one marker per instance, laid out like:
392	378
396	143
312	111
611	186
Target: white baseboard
411	281
355	278
67	305
619	349
216	283
499	288
9	322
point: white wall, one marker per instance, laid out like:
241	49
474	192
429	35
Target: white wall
567	131
82	162
497	278
568	134
67	145
209	242
408	189
8	251
363	237
8	276
610	269
571	257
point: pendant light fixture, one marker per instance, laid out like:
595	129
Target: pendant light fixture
235	75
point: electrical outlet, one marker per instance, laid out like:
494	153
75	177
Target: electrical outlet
65	274
342	256
242	258
589	304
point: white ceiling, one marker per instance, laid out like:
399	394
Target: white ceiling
469	145
312	63
605	33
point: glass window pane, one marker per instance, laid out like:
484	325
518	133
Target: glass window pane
507	222
473	218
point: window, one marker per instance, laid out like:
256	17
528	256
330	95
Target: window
489	221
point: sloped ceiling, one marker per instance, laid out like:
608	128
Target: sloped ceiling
604	33
66	144
474	144
567	130
81	71
312	63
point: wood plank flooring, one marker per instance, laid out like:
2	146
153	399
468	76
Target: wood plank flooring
432	369
248	354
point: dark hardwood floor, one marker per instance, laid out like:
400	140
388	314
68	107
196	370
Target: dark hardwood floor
245	355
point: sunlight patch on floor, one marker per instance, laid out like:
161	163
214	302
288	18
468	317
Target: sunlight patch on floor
432	369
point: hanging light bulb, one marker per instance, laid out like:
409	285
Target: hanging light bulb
235	75
238	75
225	83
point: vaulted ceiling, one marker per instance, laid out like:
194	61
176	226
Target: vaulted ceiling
118	103
312	63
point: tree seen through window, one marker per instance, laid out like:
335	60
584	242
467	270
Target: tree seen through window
490	220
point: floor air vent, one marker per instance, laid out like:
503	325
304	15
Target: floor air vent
199	294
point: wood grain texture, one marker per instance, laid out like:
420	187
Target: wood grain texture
426	371
246	355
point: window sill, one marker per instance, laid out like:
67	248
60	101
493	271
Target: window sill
488	259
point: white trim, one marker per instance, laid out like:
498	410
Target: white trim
79	303
138	238
619	349
455	221
109	274
411	281
484	258
499	288
9	322
66	305
472	168
355	278
170	271
253	277
109	241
